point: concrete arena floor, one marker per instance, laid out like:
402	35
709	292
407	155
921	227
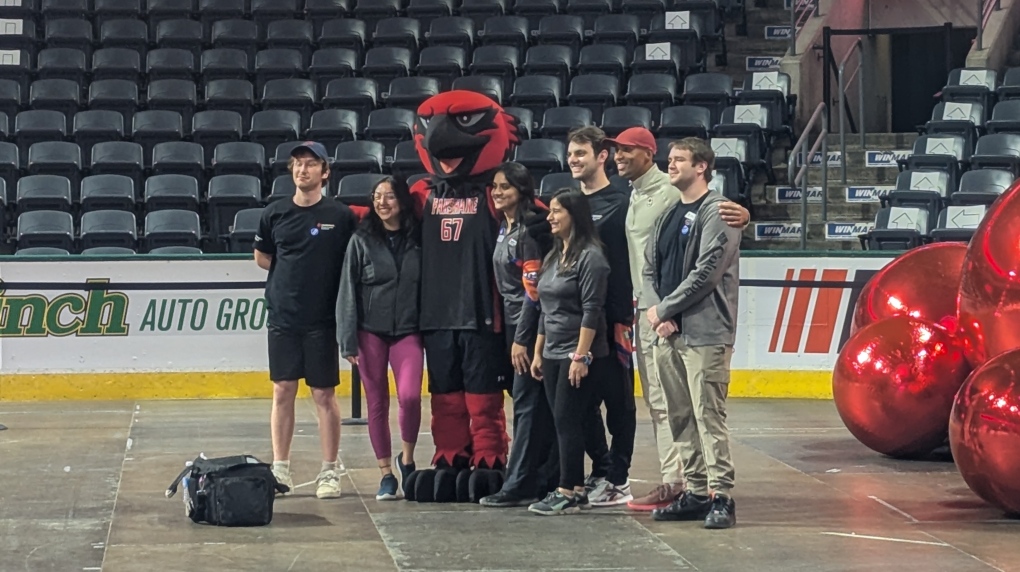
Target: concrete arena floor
81	488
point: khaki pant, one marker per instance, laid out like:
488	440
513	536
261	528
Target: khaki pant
655	398
696	382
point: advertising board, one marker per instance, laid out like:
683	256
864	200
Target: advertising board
197	328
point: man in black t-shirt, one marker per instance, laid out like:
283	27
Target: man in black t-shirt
609	480
302	242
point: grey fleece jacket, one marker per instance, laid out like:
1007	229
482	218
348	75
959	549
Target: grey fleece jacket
705	303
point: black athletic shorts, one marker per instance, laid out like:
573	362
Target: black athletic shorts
467	360
313	356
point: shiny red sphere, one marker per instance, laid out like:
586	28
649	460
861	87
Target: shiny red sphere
984	431
894	385
922	283
989	300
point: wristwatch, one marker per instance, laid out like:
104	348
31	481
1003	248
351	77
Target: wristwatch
585	359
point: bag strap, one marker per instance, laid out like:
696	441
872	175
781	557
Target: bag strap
172	489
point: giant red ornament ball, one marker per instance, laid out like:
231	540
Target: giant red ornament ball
989	298
984	431
922	283
894	384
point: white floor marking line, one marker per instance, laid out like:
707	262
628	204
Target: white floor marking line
885	538
304	484
386	540
891	507
116	494
964	552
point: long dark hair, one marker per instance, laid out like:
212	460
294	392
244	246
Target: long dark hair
373	225
520	178
582	229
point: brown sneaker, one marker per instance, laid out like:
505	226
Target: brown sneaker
659	497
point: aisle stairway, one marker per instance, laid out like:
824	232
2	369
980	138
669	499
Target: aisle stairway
871	170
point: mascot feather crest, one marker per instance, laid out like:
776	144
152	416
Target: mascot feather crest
462	135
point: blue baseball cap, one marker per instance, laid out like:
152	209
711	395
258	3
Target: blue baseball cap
317	149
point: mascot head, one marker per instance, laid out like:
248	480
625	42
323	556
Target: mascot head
463	134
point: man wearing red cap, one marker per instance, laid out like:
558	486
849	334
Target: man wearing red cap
652	195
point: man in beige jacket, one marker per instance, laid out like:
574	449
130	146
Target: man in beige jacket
651	195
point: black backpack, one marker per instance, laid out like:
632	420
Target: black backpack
228	491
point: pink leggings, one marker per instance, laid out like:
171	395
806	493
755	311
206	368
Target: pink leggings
407	356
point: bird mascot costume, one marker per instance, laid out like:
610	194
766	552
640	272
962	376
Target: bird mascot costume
462	137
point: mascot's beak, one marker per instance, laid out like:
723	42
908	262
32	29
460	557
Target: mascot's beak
449	144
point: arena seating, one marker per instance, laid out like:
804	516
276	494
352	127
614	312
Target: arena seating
967	155
181	113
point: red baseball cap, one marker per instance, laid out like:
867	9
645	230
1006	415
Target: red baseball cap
635	137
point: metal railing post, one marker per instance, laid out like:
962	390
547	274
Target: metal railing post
798	177
842	113
980	24
825	168
860	100
793	27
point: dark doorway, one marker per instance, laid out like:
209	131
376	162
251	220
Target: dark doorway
920	65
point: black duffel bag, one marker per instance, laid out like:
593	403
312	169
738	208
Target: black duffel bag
228	491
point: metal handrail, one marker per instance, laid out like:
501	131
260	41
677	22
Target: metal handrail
857	48
985	10
821	118
807	8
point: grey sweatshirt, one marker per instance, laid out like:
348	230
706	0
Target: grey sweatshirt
572	299
705	303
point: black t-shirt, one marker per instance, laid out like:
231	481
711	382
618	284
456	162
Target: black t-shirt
308	246
609	212
458	286
673	238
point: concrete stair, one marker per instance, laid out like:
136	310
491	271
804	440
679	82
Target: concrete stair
847	203
740	47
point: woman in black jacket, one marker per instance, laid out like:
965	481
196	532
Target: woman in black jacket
377	322
533	466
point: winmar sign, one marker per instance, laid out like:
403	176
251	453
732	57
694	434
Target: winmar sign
97	313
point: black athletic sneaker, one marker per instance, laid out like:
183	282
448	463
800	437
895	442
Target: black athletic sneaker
687	506
503	499
723	513
404	469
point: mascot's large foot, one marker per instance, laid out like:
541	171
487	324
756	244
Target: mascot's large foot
441	484
484	481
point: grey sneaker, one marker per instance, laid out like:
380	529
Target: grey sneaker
555	504
606	493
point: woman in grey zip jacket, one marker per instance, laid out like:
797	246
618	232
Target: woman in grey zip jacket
377	322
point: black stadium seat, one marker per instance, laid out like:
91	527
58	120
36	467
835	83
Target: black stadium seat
166	192
107	192
44	193
109	228
116	63
95	126
243	230
45	228
172	228
228	195
119	158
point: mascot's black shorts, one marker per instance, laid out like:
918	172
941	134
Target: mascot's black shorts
467	360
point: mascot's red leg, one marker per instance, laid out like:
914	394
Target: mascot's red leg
490	442
450	427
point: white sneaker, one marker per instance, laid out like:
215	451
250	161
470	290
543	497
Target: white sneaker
283	477
606	493
327	485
